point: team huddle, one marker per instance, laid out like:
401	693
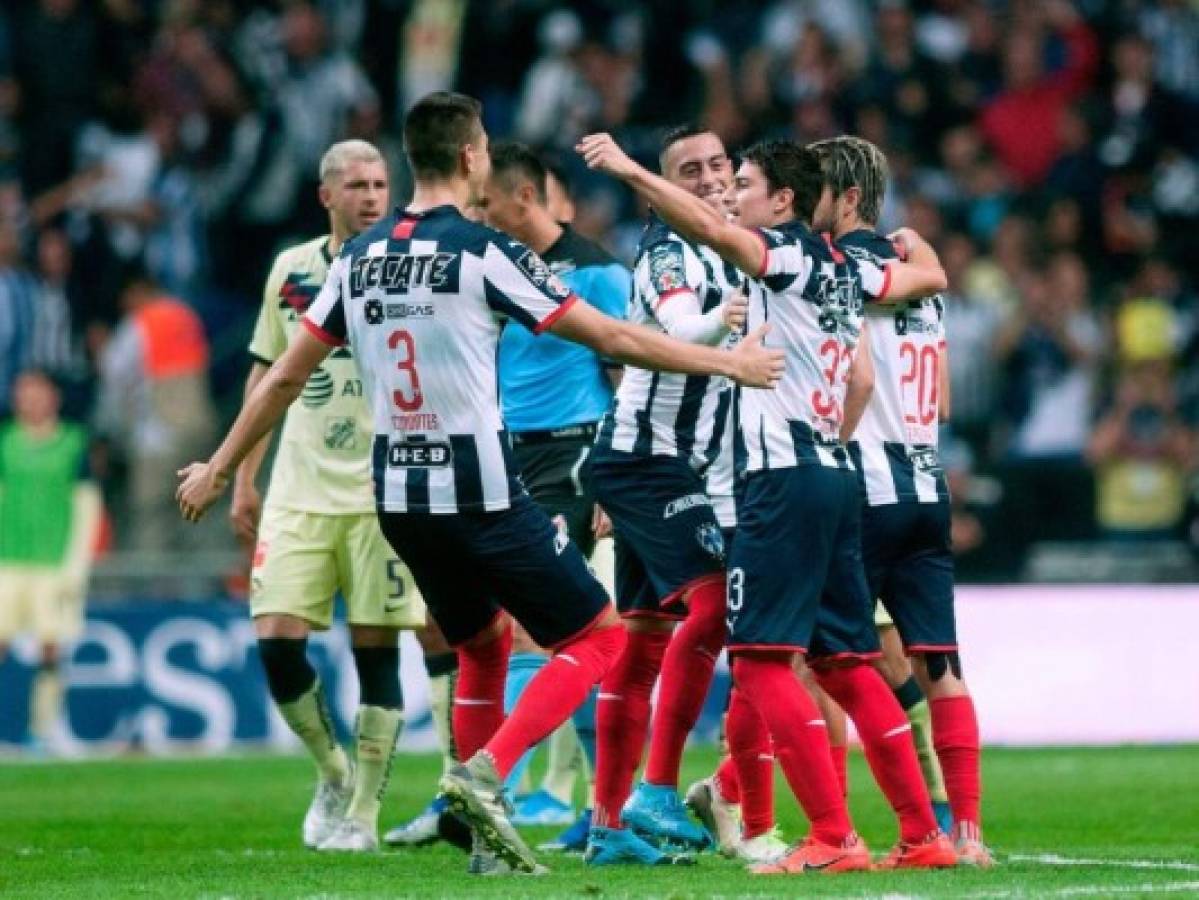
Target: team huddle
767	460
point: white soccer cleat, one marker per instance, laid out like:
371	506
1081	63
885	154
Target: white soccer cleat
351	836
326	811
721	818
766	848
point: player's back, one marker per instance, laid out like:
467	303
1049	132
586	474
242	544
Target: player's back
422	298
812	297
895	445
660	413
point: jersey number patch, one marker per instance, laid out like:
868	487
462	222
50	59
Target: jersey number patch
411	399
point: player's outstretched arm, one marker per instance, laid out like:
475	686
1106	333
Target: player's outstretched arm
750	363
203	483
685	213
920	275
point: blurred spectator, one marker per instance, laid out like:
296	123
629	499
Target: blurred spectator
18	305
1143	453
1022	122
154	407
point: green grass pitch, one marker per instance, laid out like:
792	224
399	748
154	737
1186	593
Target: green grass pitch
1066	823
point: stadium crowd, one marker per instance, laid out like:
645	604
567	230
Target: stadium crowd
1050	150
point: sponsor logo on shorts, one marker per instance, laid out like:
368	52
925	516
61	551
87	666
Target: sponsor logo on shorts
682	504
419	454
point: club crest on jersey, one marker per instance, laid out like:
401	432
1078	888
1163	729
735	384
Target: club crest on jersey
297	293
341	434
540	274
711	541
666	268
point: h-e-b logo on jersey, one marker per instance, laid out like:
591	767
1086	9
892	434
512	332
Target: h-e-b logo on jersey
419	454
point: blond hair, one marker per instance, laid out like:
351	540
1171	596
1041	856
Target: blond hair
341	155
850	161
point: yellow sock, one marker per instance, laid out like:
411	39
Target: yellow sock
922	734
45	704
562	765
309	718
441	696
376	732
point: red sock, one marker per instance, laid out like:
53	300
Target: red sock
621	721
686	676
555	692
955	737
727	783
841	764
800	741
887	739
479	697
753	756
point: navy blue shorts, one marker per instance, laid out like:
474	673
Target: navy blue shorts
471	565
795	577
666	533
909	567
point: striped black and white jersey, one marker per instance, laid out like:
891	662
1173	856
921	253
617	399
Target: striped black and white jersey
661	413
421	298
812	296
895	445
720	479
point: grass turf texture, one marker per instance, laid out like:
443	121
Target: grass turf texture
229	827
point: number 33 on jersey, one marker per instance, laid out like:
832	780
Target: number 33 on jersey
422	299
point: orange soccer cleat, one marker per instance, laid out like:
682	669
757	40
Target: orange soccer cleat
826	859
934	852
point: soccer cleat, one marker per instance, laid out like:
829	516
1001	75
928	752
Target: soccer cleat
657	815
721	818
351	836
944	816
421	830
484	862
573	839
475	792
763	849
620	846
934	852
825	859
326	811
972	852
542	808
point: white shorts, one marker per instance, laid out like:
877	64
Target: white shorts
39	601
303	559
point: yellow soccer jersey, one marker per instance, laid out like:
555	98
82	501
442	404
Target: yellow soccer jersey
322	464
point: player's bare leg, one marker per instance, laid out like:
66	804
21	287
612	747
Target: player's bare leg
955	735
376	729
475	789
297	692
896	669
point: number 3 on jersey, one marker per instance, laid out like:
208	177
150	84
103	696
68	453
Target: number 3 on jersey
412	399
827	405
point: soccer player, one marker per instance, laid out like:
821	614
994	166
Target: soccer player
421	297
49	515
646	469
905	521
319	533
553	394
800	498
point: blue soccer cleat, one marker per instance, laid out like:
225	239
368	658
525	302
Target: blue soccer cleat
542	808
657	814
620	847
573	839
944	816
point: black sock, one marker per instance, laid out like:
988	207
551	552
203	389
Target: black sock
909	694
379	676
288	672
441	663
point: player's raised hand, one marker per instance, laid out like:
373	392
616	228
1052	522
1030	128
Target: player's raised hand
735	311
603	154
757	365
200	486
906	240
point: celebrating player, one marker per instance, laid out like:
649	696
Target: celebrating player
49	514
905	522
662	433
421	297
800	501
319	533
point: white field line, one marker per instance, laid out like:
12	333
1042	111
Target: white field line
1092	890
1053	859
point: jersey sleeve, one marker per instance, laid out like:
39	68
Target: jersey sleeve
667	271
783	255
518	285
326	317
876	279
269	339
